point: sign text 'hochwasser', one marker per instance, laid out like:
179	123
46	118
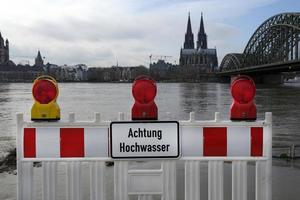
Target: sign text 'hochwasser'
153	139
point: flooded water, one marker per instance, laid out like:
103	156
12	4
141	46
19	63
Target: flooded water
175	101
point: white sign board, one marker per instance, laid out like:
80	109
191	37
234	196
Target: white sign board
144	139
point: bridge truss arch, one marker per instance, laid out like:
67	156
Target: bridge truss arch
232	61
275	40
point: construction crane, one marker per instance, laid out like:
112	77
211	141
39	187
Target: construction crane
158	57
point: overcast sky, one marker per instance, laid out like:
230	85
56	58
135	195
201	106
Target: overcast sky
102	32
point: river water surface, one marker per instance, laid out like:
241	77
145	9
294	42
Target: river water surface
174	101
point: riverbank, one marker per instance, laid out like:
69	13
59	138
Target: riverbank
9	162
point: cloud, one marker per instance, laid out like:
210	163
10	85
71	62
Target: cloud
100	32
76	30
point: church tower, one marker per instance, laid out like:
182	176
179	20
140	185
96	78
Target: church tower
7	49
202	37
39	62
1	41
4	50
189	36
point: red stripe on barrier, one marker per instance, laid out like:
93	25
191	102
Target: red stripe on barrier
29	143
72	142
215	141
256	141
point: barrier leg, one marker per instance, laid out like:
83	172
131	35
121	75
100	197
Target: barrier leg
268	168
169	180
121	180
261	183
215	180
73	181
97	185
25	181
49	180
25	189
192	180
239	180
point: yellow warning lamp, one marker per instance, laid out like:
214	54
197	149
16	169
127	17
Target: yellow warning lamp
45	92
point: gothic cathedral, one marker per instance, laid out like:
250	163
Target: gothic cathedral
203	58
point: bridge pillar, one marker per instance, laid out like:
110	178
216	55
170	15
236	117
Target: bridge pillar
225	79
272	79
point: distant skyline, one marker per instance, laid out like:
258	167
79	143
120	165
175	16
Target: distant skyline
102	33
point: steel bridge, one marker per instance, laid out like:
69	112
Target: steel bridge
272	49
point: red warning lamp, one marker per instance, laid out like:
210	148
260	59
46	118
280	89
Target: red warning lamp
45	92
243	91
144	91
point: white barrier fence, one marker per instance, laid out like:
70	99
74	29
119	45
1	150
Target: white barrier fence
241	147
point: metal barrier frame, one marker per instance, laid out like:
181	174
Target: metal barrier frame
124	177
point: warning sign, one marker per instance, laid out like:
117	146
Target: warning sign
144	139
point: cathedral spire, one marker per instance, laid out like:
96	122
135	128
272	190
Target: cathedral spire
189	26
201	30
189	36
202	37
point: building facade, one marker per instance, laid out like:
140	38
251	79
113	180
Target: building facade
4	51
116	73
162	70
203	58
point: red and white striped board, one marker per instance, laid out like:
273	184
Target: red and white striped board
231	141
222	141
65	142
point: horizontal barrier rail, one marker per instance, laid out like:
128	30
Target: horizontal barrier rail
241	143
